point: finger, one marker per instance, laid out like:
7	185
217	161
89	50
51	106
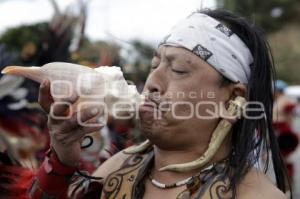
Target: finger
78	119
81	132
62	109
89	116
74	136
45	99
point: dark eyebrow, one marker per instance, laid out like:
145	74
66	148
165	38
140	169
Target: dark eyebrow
170	57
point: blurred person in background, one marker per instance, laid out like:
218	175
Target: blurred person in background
283	105
24	136
283	116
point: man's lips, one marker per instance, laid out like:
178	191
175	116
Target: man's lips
153	102
148	106
146	109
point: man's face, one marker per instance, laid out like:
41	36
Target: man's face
182	88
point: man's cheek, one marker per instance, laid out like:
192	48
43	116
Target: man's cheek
206	110
182	110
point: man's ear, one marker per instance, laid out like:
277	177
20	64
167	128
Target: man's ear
235	90
239	89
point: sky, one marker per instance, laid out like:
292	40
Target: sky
148	20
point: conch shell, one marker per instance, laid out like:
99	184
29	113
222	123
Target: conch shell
102	87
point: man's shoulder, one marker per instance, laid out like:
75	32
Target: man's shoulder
110	165
257	185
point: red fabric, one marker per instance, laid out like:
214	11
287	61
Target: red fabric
52	179
57	166
282	127
289	108
18	127
15	181
290	169
287	139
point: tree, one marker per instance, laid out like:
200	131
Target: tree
286	51
280	20
16	38
271	15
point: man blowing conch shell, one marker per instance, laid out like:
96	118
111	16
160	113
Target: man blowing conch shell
206	117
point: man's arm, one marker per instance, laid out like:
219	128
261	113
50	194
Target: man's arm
110	165
52	179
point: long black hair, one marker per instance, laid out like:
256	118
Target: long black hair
250	136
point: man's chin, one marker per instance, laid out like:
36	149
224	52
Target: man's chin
148	125
147	115
152	133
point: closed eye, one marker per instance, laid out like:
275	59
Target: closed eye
154	63
179	72
152	69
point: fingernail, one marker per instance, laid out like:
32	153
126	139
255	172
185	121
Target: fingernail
44	83
94	111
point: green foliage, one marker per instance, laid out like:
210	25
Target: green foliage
283	30
140	60
91	51
15	38
145	50
286	51
269	14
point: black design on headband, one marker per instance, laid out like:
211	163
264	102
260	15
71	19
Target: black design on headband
202	52
222	70
224	29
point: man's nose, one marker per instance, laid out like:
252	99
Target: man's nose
156	82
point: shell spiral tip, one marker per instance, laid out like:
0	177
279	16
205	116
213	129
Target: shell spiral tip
4	71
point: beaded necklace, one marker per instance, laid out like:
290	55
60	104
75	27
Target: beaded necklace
181	182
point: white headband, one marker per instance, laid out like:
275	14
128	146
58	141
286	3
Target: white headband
214	43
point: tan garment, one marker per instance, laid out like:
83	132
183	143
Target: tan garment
128	181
